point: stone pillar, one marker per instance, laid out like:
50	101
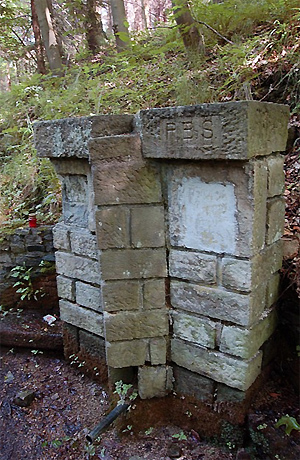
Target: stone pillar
79	280
225	219
189	197
131	237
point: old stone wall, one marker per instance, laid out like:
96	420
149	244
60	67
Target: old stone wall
27	247
169	251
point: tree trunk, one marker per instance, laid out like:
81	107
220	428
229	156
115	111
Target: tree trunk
95	34
192	40
48	35
38	44
120	27
144	18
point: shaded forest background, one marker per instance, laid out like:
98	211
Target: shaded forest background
87	57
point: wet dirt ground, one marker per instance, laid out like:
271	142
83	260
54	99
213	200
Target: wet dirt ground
67	405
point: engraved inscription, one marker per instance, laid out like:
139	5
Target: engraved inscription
187	130
197	134
170	129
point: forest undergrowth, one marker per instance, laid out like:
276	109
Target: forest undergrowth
258	58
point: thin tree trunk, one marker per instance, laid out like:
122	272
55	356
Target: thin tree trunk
8	77
192	40
144	18
95	34
120	27
38	46
48	35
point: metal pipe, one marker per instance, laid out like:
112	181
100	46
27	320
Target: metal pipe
108	419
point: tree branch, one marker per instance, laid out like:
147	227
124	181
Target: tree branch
24	44
215	31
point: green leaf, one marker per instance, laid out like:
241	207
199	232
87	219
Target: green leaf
124	37
290	424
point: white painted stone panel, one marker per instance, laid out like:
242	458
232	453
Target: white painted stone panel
203	215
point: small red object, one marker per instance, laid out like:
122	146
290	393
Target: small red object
32	221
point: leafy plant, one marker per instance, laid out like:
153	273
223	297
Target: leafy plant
24	283
290	424
180	436
125	392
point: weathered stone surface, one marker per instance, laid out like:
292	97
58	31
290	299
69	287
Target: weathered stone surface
236	274
63	138
190	383
147	227
126	180
61	238
152	381
246	342
158	350
126	354
194	329
75	214
275	175
121	295
84	243
275	220
258	187
74	166
81	317
92	344
225	394
272	290
111	125
88	296
154	294
69	137
75	188
234	372
24	398
267	262
135	324
17	243
133	263
80	267
65	288
194	205
193	266
114	146
216	303
5	258
238	130
112	225
187	223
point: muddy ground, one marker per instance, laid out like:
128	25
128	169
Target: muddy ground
67	405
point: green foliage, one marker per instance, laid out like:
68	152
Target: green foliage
24	283
263	64
237	19
179	436
125	392
15	29
290	424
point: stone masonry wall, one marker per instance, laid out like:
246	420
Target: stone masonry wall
26	246
169	251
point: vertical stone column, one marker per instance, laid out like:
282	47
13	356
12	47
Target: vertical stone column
79	281
131	237
226	216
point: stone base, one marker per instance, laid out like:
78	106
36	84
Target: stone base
211	417
86	352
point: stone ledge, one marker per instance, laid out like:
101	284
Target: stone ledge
78	316
228	131
234	372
